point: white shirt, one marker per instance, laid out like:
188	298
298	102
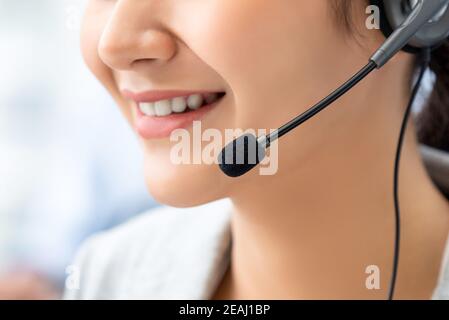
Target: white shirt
171	253
166	253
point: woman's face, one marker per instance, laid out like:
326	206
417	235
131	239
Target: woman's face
271	58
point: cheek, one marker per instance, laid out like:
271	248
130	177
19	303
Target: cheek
92	27
91	30
265	50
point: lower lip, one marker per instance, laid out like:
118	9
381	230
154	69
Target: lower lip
161	127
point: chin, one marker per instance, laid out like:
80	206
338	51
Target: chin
183	186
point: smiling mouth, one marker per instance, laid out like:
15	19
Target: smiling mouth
159	113
178	105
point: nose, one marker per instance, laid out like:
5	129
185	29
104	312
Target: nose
134	33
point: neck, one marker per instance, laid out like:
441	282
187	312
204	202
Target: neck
321	224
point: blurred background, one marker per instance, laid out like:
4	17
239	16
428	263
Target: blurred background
69	163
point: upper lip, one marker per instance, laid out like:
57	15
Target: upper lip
153	96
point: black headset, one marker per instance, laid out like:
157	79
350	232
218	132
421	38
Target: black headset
414	26
394	12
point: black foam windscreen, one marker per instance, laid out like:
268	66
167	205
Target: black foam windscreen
241	155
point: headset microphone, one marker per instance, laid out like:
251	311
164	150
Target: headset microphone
247	151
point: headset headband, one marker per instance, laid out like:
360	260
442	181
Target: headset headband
394	12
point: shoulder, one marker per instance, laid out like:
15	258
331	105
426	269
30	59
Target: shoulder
140	258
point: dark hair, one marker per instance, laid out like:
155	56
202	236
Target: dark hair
433	121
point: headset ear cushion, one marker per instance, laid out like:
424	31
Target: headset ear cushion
386	27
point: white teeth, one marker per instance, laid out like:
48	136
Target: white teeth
179	105
195	101
147	108
163	108
176	105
